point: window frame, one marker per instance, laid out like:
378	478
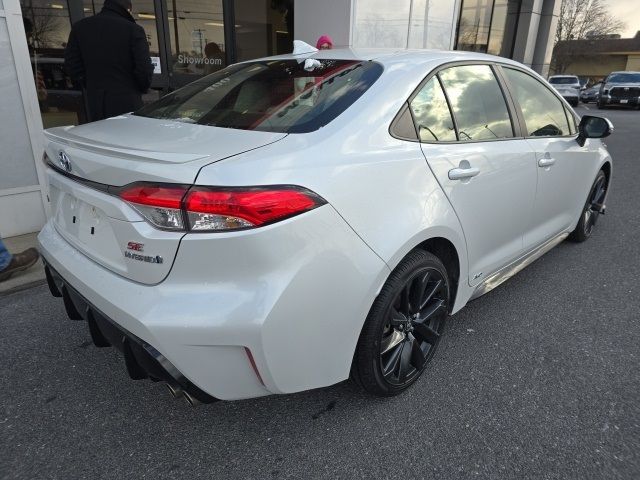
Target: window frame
523	124
514	117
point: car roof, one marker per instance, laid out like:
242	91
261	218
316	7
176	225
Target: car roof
389	56
624	71
563	76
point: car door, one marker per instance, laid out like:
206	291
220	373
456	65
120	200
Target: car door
563	166
470	143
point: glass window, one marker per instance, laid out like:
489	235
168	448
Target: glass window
624	78
564	80
475	22
273	96
196	30
504	23
47	28
543	111
263	28
143	11
432	114
478	105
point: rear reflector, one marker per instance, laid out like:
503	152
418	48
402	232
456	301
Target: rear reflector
252	362
207	209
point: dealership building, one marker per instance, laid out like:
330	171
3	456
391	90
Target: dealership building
192	38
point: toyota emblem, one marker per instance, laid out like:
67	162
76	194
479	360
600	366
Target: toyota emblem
64	161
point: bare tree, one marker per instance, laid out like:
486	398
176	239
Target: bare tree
578	20
46	32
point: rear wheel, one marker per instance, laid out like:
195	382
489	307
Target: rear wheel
591	210
404	326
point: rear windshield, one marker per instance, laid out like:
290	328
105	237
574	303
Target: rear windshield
288	96
624	78
564	80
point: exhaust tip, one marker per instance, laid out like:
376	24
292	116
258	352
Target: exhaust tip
191	400
175	391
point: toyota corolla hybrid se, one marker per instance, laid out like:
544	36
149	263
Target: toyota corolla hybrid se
289	222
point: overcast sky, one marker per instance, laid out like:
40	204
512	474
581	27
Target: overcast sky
629	12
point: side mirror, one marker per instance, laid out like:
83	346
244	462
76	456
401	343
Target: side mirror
593	127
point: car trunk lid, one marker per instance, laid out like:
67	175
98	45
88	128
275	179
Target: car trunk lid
89	160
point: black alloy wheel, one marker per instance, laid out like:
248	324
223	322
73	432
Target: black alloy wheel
592	209
404	326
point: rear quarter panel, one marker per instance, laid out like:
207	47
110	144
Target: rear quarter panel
380	185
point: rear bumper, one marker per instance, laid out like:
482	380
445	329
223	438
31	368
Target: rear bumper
142	360
240	315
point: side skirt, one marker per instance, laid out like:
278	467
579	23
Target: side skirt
510	270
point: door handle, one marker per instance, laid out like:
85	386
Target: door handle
546	162
463	173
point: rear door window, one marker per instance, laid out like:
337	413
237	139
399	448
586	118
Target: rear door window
432	115
287	96
479	107
543	112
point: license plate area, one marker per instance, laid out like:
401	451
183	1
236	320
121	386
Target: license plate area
81	220
102	227
624	100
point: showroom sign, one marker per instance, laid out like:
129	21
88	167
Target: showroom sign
186	59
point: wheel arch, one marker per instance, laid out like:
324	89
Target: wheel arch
606	168
446	252
450	247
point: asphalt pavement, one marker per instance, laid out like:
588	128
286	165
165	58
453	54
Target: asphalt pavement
539	379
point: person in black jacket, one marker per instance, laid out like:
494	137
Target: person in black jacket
107	55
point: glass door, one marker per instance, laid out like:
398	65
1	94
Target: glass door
47	25
196	39
147	14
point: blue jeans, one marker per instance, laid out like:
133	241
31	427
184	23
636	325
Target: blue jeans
5	256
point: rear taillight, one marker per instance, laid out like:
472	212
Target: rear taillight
209	209
161	205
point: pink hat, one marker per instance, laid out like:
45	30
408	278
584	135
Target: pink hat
324	39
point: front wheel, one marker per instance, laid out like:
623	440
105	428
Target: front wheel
591	210
404	325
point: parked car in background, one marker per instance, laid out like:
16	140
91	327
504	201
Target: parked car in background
590	94
568	86
286	223
620	88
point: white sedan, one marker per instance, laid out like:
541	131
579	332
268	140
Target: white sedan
289	222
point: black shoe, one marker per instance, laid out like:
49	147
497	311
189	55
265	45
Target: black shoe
19	262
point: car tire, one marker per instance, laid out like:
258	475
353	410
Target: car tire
591	209
600	105
575	103
403	327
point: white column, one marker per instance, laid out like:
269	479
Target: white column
23	196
